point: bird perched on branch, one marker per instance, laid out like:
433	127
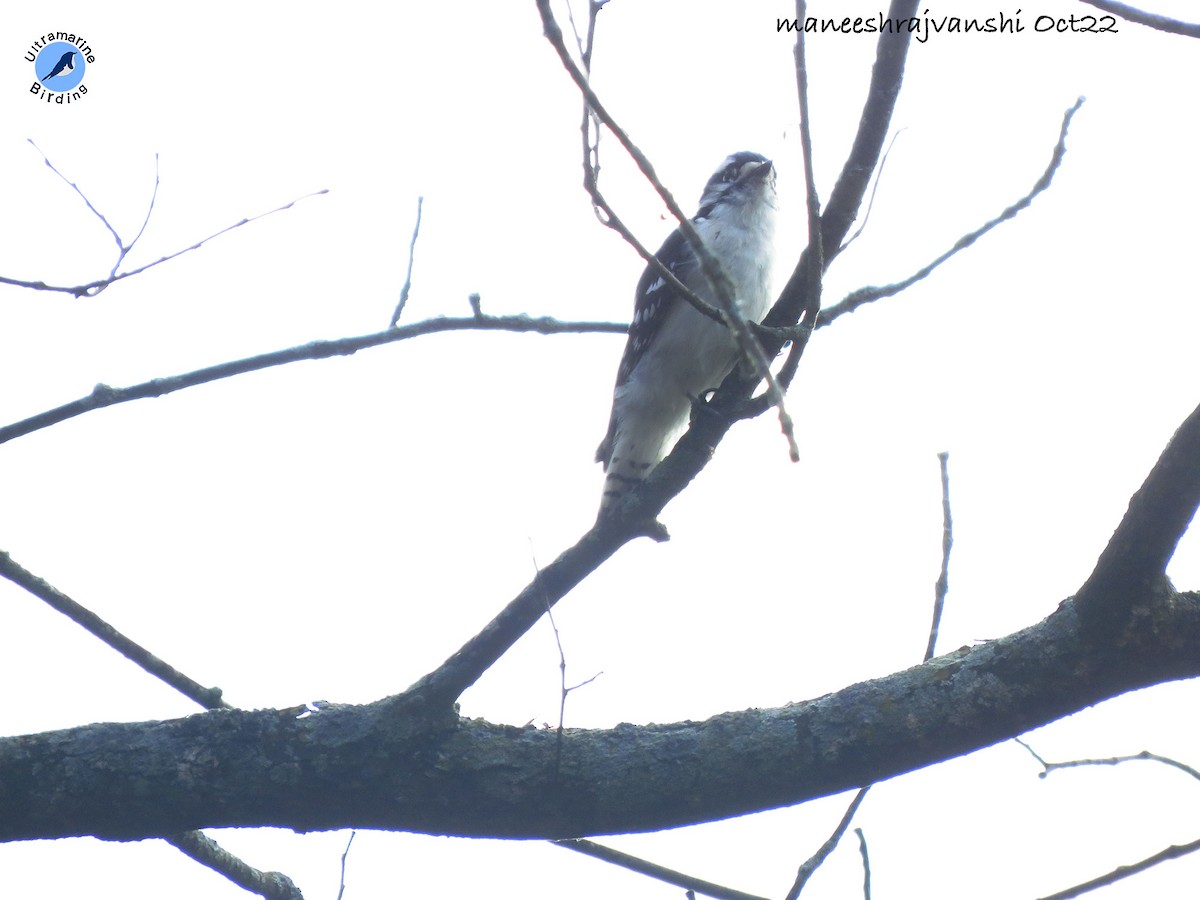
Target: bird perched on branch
674	352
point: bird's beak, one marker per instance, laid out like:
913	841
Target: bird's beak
761	172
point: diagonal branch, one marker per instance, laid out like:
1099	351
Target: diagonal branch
551	583
653	870
814	862
195	844
104	395
1136	557
209	698
865	295
1149	19
1175	851
207	852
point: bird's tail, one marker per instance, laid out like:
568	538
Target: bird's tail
627	463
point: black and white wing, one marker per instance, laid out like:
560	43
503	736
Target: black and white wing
655	300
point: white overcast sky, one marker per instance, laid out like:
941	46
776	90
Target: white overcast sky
333	530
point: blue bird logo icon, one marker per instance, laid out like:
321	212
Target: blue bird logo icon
65	64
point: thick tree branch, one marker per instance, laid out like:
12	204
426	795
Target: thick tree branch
1135	560
433	772
366	767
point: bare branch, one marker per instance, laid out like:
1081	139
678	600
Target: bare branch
104	395
814	862
272	885
209	698
1120	872
874	190
412	249
594	113
942	587
146	221
204	850
1150	20
644	867
1173	852
345	855
121	248
551	584
866	295
94	287
1048	767
564	691
1135	560
473	778
814	252
866	862
847	195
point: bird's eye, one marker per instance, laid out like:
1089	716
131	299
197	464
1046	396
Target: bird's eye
730	174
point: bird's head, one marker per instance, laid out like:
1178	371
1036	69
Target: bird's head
743	177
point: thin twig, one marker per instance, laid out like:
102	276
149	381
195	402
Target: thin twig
866	295
1145	755
94	287
121	250
103	395
412	249
154	199
1120	872
866	862
942	587
206	851
814	862
345	854
209	698
874	190
813	257
1150	20
195	844
564	691
589	130
662	873
1173	852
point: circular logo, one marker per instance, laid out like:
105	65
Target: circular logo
60	67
